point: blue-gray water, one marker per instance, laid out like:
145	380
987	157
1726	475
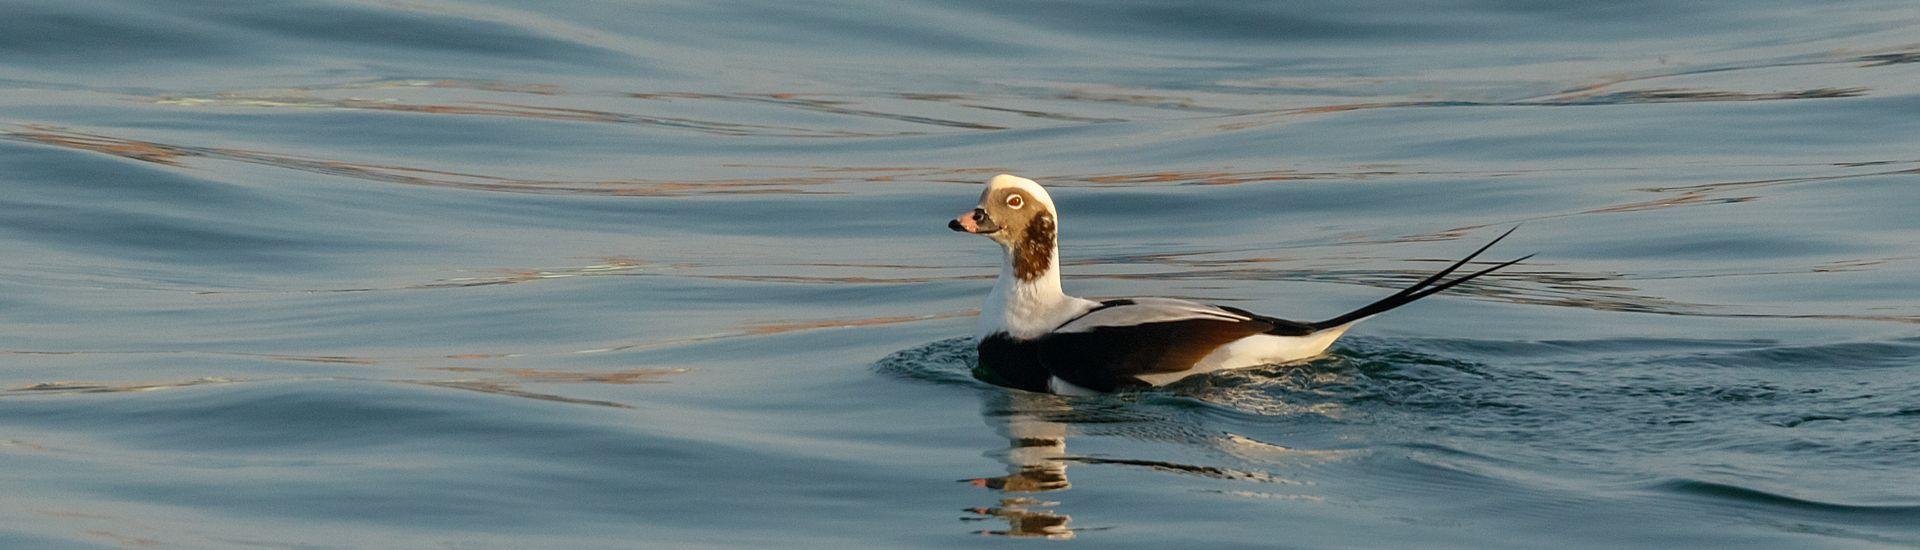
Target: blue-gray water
342	273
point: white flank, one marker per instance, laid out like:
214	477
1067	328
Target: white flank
1254	351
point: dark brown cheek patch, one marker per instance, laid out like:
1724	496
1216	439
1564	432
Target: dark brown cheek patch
1035	253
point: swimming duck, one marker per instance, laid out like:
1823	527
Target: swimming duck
1035	337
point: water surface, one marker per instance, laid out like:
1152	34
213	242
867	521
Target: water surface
505	274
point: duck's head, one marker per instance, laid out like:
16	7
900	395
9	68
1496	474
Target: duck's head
1017	213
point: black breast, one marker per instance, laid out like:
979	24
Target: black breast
1005	361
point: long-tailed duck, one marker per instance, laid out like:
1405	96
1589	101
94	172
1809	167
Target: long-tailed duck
1035	337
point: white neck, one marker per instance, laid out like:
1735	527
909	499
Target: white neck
1028	309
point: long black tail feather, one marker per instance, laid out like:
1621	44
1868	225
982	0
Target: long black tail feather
1422	289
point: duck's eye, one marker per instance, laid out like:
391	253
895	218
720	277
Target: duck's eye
1015	202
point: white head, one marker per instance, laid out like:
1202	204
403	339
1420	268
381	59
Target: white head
1026	300
1017	213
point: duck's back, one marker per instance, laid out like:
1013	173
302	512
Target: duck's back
1140	342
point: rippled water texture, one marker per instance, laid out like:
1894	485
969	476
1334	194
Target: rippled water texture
515	274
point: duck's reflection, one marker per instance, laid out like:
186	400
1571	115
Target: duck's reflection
1036	427
1035	459
1024	519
